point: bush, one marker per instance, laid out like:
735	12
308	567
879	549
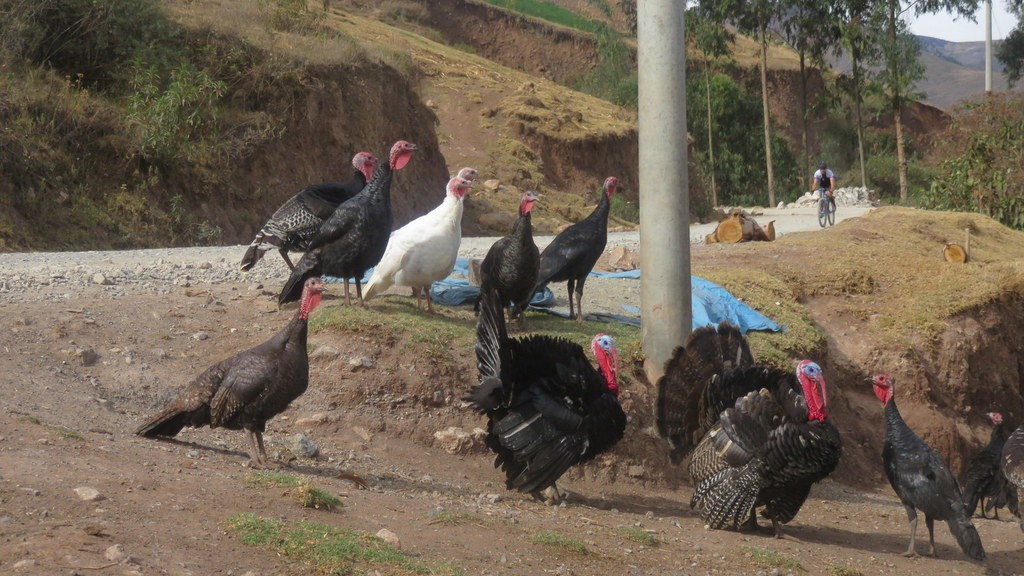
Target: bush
290	16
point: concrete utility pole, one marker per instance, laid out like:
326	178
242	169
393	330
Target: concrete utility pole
665	307
988	46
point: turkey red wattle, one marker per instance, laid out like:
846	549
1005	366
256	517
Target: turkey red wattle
611	183
526	204
995	417
366	163
401	153
813	383
458	187
312	294
607	357
882	386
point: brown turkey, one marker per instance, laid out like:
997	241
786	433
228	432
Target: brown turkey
511	263
1013	464
249	388
572	253
985	483
921	480
759	436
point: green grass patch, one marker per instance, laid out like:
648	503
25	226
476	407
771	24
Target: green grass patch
638	536
556	540
65	432
455	518
834	570
330	550
307	495
547	11
771	559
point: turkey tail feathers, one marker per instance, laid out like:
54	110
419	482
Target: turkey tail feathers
166	423
308	266
965	533
253	255
727	498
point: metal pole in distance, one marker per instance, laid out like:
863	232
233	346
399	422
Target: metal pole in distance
988	46
664	195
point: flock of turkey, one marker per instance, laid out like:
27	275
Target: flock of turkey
755	436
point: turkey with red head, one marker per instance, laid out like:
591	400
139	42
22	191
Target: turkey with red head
1013	464
353	239
571	255
985	482
249	388
756	435
547	408
295	223
921	480
511	263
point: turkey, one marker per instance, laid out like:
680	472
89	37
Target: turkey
547	407
353	239
424	250
249	388
921	479
759	436
1013	465
572	253
985	479
295	223
511	263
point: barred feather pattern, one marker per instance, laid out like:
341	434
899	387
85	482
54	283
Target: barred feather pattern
1013	464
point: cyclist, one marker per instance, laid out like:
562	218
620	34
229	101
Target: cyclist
825	180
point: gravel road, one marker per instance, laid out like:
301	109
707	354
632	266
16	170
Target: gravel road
60	275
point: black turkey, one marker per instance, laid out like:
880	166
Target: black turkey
249	388
295	223
921	479
511	263
572	254
1013	465
547	408
985	482
353	239
759	436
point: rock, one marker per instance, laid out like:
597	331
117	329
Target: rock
205	266
360	363
115	553
635	471
492	184
496	221
87	356
24	565
301	445
618	259
89	494
99	278
312	419
455	440
389	537
325	352
363	434
200	336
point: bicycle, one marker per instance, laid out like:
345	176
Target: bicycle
826	208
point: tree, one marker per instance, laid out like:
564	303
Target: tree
713	40
860	39
752	18
901	56
1011	50
812	28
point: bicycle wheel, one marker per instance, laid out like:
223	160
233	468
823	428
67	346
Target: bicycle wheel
822	212
832	213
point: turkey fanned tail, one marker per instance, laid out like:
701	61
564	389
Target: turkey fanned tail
965	533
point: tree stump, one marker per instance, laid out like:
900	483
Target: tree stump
954	253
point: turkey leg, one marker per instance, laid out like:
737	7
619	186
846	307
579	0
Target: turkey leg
359	291
426	296
347	302
912	517
930	523
579	299
572	288
287	260
257	452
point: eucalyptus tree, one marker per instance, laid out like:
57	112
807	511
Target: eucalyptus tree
900	58
706	31
1011	50
860	39
812	28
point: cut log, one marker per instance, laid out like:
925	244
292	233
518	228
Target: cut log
730	230
955	253
771	231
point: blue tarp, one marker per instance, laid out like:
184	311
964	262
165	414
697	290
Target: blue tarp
711	303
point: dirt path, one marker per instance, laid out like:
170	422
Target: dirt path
66	423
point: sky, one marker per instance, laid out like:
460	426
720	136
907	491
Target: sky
947	27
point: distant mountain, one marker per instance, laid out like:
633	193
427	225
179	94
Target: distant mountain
954	71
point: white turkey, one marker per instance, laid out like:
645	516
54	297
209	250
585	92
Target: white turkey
424	250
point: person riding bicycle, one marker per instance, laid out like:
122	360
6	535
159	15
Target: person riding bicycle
825	179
